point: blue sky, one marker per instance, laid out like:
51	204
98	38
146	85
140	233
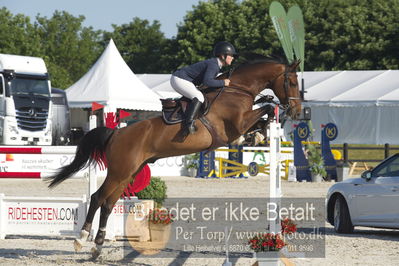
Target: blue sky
101	14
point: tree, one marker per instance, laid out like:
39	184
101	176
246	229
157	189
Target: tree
68	48
206	24
245	24
17	35
340	34
350	34
141	45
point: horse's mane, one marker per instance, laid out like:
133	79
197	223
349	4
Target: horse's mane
247	59
253	58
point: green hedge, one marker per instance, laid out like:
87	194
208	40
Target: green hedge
156	191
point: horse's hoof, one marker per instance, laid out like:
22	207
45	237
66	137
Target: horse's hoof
258	138
78	245
95	252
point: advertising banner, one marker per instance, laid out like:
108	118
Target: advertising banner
41	215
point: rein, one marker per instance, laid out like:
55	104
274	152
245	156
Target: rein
240	90
269	84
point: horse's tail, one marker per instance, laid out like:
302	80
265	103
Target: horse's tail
90	150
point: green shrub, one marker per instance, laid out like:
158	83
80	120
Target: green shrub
156	191
192	160
316	162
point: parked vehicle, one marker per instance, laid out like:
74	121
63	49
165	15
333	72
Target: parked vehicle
60	117
372	200
25	105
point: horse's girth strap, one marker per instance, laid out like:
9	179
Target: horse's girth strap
216	139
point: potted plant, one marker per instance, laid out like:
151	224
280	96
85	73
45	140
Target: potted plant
316	164
288	226
156	191
160	220
191	162
267	246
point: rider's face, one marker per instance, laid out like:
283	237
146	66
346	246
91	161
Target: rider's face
229	59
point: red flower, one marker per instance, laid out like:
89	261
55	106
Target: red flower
160	216
288	226
266	242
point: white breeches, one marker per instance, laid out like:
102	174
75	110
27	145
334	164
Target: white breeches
186	88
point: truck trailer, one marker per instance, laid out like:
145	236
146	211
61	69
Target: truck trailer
25	101
60	117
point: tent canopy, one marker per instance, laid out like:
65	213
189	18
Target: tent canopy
160	84
111	83
363	104
357	87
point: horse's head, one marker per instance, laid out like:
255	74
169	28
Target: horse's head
274	73
285	86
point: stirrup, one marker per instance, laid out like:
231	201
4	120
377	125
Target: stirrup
191	127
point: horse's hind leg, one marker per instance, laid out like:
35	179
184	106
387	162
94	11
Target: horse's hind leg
117	188
95	203
97	199
106	209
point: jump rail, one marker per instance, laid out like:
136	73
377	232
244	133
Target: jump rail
39	150
69	150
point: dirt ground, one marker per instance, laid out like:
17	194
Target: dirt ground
365	246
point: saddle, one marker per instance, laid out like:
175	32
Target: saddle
173	110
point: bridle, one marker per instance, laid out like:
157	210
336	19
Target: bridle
270	84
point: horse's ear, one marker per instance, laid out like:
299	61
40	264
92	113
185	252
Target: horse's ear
294	65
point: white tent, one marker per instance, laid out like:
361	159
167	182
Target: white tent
111	83
363	104
159	83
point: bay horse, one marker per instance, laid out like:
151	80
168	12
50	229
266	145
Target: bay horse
125	151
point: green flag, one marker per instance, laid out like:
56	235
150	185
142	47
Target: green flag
279	19
297	33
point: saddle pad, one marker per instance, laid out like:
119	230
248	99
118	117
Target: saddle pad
173	110
173	116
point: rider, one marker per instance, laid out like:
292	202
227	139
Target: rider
185	80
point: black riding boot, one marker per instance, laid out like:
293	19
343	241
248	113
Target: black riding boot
191	113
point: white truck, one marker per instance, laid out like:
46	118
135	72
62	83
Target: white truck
25	101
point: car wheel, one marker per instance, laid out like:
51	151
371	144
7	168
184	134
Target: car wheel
342	219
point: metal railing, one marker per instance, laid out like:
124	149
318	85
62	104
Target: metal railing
346	147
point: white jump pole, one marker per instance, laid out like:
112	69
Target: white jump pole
275	180
46	150
93	181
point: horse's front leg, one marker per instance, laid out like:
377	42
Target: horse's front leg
251	117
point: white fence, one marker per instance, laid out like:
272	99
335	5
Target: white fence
52	216
44	216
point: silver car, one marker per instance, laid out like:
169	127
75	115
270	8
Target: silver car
372	200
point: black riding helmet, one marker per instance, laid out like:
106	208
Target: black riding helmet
224	48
